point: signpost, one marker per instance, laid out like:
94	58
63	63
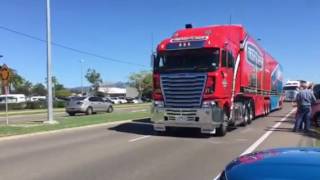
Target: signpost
5	75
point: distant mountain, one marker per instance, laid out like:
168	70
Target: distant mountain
118	84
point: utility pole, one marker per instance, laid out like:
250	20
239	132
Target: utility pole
81	61
49	75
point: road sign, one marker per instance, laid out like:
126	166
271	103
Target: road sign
5	74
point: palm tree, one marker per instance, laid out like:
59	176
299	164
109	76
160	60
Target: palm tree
94	78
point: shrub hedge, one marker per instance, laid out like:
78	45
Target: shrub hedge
31	105
13	106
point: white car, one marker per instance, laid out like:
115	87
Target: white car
122	100
13	98
114	100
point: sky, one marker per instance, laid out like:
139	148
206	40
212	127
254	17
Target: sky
128	30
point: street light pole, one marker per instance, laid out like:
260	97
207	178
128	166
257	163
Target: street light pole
49	76
81	61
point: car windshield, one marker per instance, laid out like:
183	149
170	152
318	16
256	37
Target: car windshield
195	60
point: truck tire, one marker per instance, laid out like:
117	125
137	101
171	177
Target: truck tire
222	130
246	116
89	111
249	111
252	113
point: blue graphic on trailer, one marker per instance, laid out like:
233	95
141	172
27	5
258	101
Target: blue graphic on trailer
276	86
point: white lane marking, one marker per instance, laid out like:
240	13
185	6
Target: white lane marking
251	148
266	135
139	138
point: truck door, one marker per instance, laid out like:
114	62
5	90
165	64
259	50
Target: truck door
227	68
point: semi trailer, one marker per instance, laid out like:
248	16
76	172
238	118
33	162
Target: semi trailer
211	78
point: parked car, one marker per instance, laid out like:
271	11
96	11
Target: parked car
114	100
315	113
37	98
106	99
133	100
88	105
122	100
284	163
13	98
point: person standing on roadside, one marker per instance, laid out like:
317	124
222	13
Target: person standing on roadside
305	98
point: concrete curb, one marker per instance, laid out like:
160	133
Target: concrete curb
13	137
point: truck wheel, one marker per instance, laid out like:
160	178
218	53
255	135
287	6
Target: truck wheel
89	111
252	114
249	112
222	130
246	117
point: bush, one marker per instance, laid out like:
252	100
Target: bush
13	106
59	104
32	105
36	105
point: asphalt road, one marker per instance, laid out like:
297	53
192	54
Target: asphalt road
131	151
43	116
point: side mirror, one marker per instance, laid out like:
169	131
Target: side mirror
153	58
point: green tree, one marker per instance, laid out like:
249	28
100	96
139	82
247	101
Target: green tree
63	93
25	88
94	78
39	90
16	81
142	81
55	84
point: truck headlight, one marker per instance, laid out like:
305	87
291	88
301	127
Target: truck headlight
208	104
159	104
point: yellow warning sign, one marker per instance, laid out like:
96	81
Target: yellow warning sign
5	74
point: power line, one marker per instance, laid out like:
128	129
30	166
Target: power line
71	48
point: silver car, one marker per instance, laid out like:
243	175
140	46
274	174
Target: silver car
89	105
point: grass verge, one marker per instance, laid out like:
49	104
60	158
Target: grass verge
57	110
29	111
69	122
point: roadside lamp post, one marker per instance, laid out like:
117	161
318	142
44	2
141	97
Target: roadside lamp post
81	61
49	75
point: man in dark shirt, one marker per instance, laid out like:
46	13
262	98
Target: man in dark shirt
305	98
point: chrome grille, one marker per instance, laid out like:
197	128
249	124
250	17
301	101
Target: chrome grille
183	90
188	114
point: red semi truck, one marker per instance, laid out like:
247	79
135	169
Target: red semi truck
211	78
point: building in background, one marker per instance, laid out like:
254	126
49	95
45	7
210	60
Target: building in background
119	92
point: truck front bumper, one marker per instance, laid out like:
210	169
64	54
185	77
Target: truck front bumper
207	119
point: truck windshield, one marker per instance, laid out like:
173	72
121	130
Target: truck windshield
290	88
188	60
